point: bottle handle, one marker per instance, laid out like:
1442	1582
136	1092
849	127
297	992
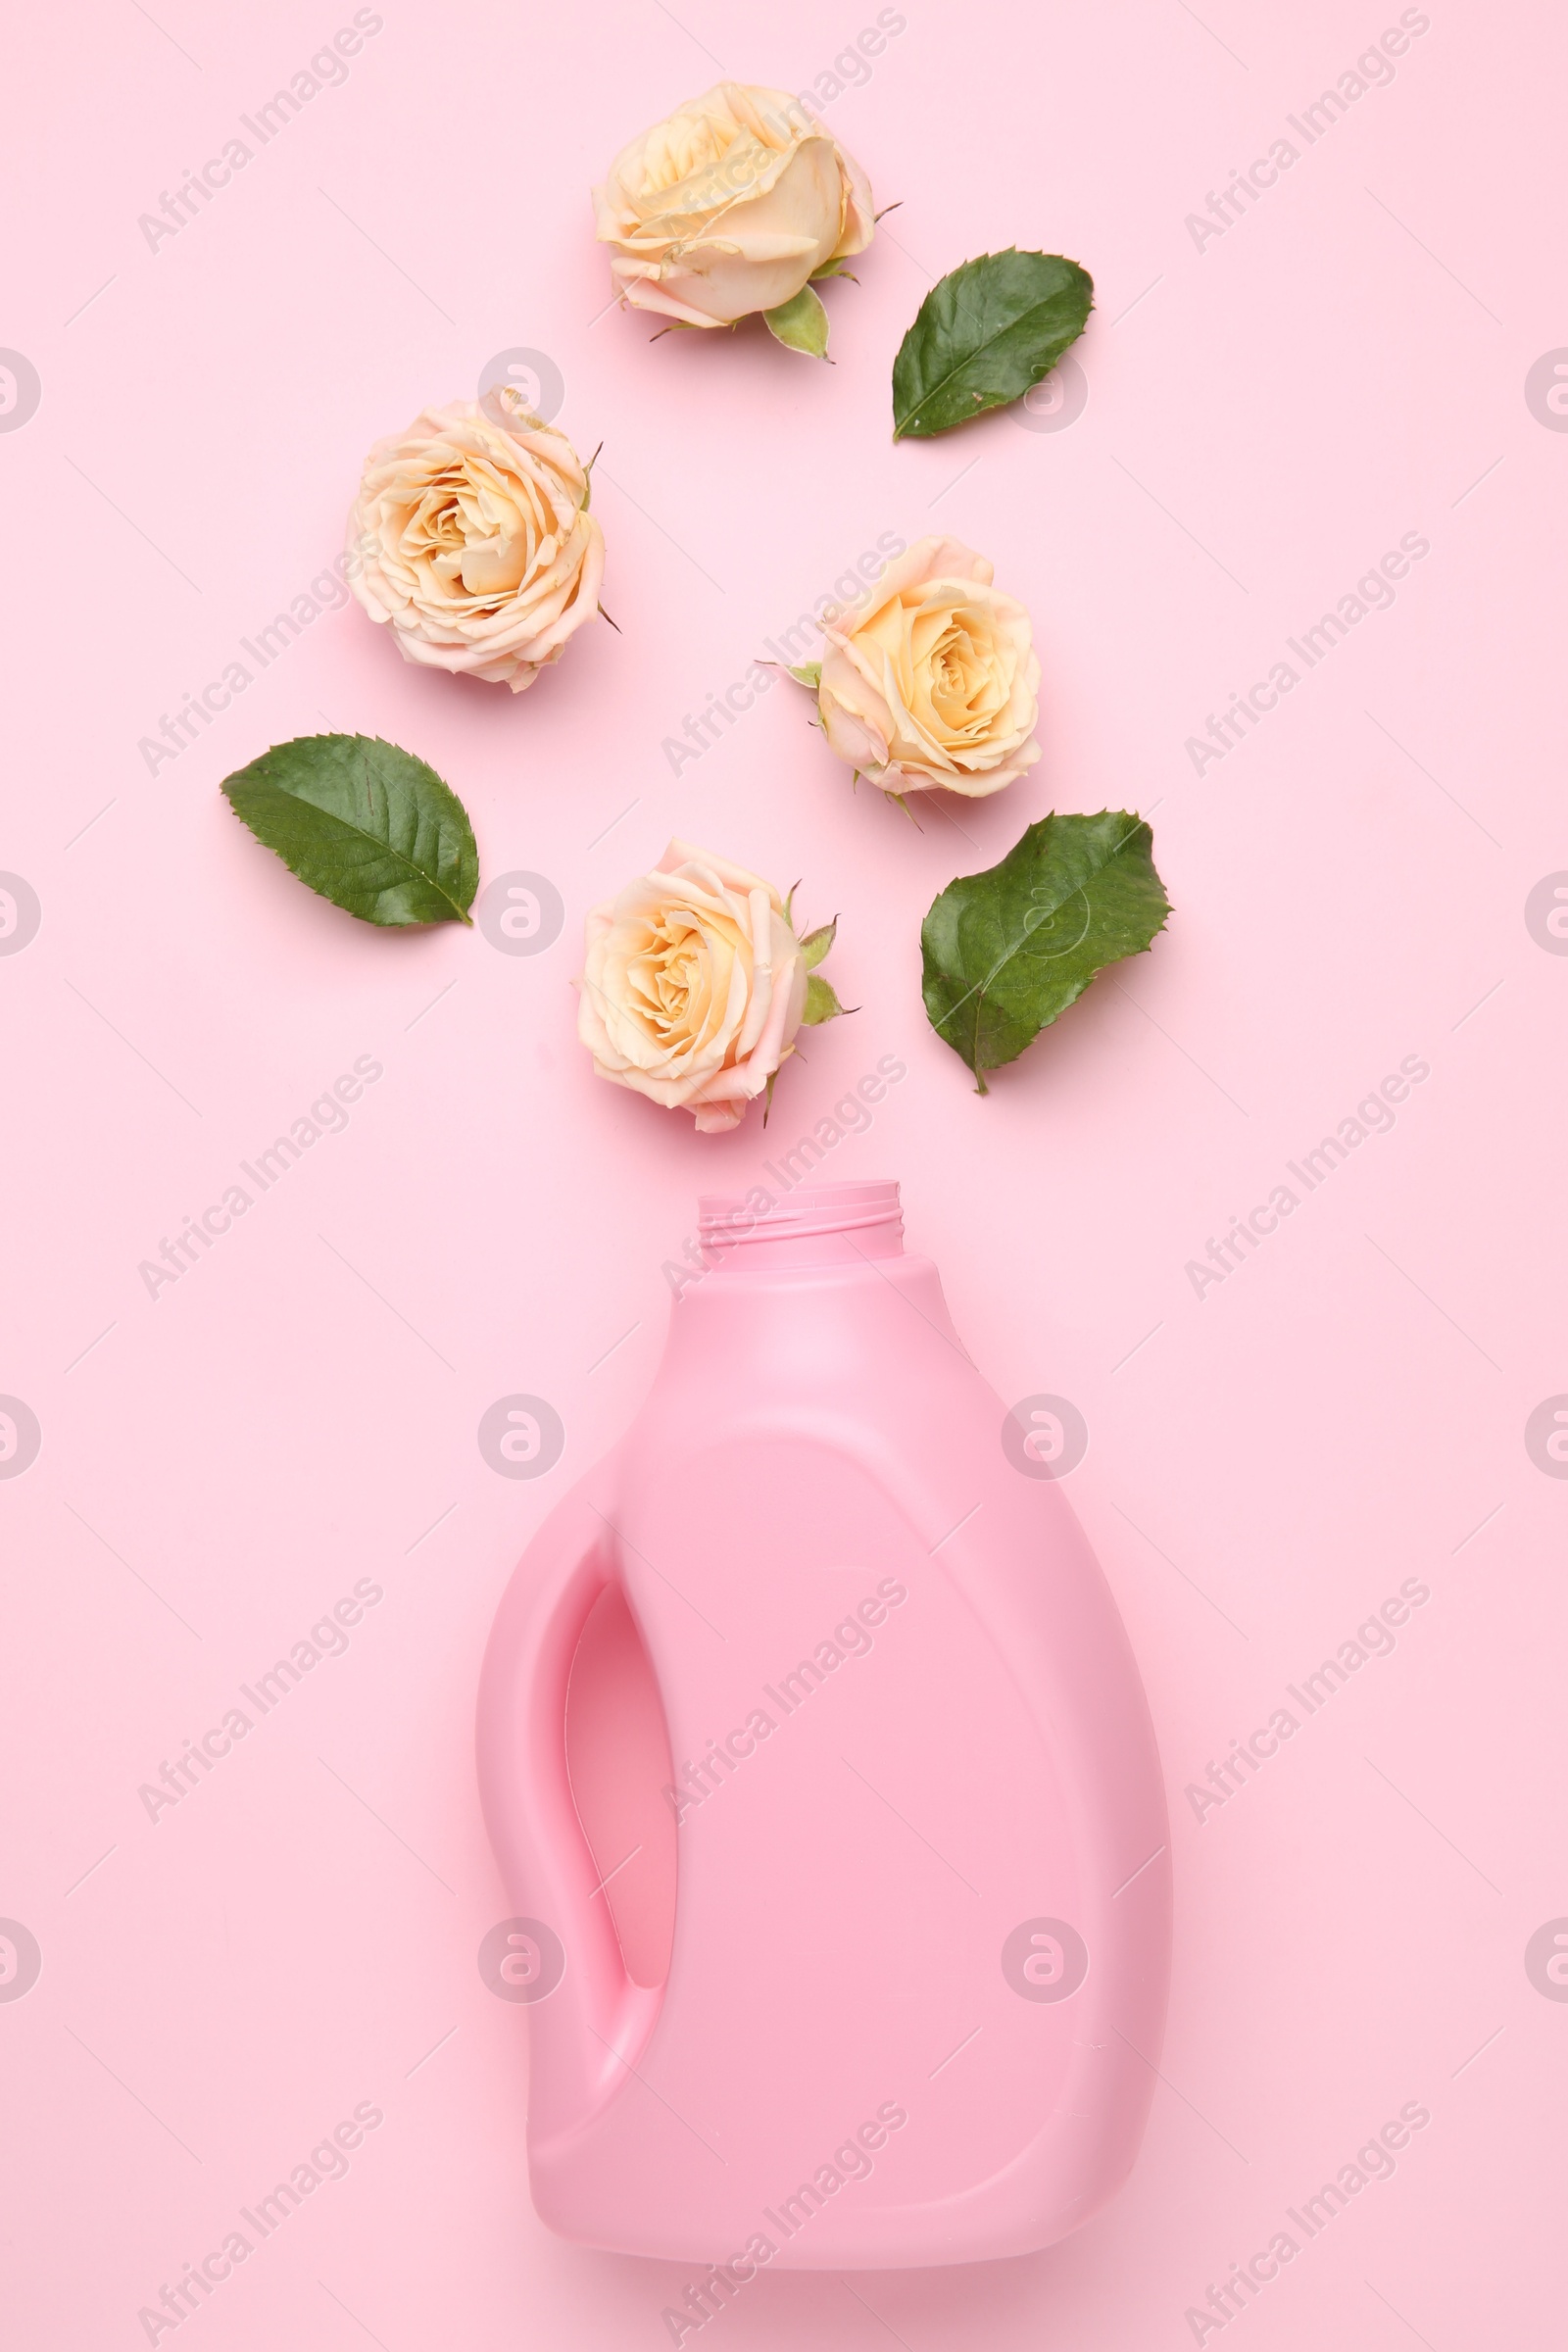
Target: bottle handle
590	2025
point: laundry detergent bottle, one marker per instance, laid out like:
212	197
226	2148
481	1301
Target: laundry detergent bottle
824	1793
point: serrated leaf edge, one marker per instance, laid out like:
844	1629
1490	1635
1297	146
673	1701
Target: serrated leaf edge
980	987
354	832
902	425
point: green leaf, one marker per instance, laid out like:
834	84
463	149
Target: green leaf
810	674
364	825
801	324
816	945
984	335
821	1004
1007	950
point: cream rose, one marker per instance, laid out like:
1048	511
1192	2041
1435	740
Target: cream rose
472	535
694	986
929	680
731	206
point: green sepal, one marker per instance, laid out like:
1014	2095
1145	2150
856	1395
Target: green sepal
801	324
816	945
821	1004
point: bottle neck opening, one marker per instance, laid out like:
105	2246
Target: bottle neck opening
814	1225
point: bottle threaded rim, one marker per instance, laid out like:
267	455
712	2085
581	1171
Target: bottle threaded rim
864	1219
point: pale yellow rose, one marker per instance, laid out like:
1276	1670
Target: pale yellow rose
730	206
929	680
471	536
693	987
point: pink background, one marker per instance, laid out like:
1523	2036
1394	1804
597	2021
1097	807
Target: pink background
1266	416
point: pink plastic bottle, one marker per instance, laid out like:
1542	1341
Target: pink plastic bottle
822	1669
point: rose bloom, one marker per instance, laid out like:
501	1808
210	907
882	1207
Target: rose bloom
693	988
729	206
472	535
929	680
